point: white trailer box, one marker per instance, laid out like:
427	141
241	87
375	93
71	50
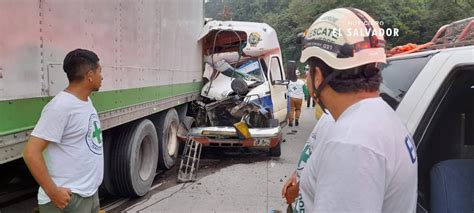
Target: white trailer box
151	63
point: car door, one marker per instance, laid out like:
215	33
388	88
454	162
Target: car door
278	91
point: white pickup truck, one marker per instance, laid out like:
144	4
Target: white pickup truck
433	94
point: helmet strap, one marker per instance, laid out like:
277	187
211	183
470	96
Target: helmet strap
323	84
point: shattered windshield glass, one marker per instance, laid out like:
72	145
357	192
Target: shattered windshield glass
249	71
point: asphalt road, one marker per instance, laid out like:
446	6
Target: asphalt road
228	181
239	181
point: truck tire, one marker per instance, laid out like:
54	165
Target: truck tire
107	183
167	129
8	173
133	159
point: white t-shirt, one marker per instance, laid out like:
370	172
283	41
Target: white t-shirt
367	163
74	155
317	135
295	89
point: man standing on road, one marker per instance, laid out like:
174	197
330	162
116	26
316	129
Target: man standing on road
296	94
290	189
64	152
367	160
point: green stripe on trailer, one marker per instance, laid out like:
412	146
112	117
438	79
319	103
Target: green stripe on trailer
22	114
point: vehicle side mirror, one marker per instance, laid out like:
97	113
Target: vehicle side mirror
291	70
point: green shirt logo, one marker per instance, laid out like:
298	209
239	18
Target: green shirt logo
94	135
97	134
305	154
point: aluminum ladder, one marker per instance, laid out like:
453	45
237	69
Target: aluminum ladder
189	161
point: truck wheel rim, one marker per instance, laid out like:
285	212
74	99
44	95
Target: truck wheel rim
145	158
172	139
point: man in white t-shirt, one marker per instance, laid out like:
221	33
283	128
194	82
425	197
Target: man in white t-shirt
367	160
64	152
290	190
296	94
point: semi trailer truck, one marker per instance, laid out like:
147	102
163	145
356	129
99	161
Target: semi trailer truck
154	55
152	66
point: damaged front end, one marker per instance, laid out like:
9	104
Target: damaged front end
236	121
232	110
235	108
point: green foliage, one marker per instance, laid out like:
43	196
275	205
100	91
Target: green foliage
417	20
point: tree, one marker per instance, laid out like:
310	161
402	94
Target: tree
416	20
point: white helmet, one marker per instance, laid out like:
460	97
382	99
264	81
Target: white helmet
344	38
298	73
